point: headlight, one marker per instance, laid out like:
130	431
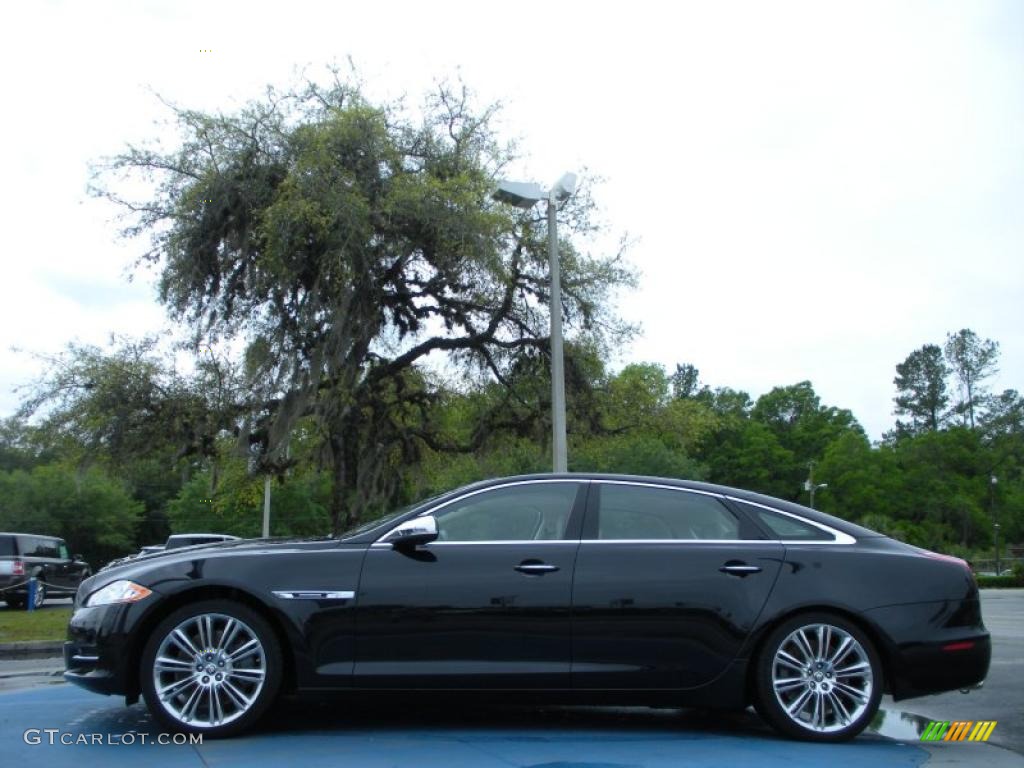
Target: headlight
118	592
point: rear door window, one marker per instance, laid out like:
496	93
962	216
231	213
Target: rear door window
7	548
637	512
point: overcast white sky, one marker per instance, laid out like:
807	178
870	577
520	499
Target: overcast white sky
818	188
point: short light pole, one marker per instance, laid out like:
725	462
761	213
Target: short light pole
810	486
993	481
525	195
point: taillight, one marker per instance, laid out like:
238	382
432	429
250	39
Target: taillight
18	569
966	645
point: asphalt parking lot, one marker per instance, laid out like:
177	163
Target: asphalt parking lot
399	733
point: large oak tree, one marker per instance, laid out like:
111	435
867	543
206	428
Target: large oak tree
345	242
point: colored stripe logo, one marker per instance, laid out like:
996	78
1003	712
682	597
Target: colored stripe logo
958	730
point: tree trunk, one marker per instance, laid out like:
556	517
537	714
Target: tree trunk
345	474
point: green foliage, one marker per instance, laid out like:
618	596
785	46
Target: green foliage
1000	582
635	454
94	514
299	504
921	389
747	454
972	360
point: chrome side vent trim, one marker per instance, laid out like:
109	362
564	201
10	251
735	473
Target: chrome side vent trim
313	594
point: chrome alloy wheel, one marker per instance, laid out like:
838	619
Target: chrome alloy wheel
822	678
209	670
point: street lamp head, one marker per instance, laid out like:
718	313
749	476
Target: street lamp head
519	193
564	187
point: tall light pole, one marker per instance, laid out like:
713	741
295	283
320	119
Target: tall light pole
525	195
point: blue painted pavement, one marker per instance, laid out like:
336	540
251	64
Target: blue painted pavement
349	733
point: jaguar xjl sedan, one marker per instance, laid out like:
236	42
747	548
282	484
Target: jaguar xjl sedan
573	588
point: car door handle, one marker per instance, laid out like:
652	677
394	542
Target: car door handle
739	569
536	568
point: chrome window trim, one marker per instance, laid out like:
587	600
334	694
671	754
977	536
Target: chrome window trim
664	487
387	544
689	542
431	510
843	539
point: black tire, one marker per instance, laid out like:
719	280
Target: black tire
15	603
833	694
215	697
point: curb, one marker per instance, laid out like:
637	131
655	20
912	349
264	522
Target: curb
36	649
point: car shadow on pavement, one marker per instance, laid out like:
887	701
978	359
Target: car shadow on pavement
438	715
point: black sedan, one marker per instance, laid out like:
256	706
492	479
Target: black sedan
571	588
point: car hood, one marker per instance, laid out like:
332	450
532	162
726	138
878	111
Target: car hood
217	546
139	568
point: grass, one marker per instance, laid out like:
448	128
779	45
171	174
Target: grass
21	626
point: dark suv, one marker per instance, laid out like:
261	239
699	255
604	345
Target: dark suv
23	555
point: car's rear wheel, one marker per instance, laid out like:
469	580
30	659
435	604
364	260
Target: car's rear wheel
212	668
15	603
818	678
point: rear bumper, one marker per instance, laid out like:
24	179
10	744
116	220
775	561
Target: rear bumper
13	587
933	647
944	666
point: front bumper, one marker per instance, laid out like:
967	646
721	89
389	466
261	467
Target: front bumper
97	653
82	667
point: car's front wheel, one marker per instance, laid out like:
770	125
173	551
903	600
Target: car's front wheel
212	668
818	678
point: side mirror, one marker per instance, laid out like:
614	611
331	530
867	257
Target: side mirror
412	533
78	558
